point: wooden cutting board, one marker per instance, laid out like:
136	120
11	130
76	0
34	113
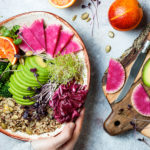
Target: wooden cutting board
123	116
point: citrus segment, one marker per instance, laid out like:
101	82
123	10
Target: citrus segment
62	3
2	55
8	48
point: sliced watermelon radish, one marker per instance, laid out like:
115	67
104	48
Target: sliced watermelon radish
64	39
72	46
141	101
30	43
52	33
115	76
37	28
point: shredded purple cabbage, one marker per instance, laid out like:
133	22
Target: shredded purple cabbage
67	101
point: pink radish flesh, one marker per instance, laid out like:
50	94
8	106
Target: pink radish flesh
52	33
71	47
115	76
37	28
141	101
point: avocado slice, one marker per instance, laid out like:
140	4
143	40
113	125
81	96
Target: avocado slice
22	101
25	77
29	74
22	81
37	62
146	74
15	93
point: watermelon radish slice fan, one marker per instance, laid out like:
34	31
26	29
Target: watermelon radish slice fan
53	40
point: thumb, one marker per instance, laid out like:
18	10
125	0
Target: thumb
64	136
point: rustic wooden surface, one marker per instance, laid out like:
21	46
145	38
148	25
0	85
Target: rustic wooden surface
124	117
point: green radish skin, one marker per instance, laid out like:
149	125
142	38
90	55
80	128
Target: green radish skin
146	74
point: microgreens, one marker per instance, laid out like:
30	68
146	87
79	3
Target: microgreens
64	68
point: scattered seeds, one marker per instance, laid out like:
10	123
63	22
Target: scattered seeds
88	19
29	53
111	34
14	67
21	61
74	18
108	48
84	16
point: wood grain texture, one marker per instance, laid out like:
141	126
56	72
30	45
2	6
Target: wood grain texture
124	117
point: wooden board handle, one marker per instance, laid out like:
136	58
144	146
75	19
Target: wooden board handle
116	124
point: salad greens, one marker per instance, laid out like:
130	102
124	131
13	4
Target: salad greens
4	80
12	33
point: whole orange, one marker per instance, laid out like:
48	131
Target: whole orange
125	15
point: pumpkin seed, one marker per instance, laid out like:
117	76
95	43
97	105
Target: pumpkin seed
74	18
28	131
88	19
14	117
84	16
21	61
14	67
111	34
29	53
108	48
11	109
3	125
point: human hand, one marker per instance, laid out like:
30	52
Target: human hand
66	140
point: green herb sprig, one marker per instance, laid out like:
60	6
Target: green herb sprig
11	33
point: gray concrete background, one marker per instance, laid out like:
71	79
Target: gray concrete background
93	136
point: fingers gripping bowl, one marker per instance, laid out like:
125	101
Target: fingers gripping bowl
69	92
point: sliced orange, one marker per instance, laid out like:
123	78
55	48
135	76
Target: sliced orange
8	49
2	55
62	3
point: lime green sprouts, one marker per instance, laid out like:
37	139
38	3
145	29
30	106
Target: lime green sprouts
65	68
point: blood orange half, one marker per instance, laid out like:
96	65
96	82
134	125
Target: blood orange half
8	49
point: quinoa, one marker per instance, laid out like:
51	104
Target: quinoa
11	117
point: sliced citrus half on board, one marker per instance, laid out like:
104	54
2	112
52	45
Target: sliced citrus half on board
8	49
62	3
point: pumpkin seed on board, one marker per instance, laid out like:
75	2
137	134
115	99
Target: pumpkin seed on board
74	18
88	19
85	16
108	48
111	34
